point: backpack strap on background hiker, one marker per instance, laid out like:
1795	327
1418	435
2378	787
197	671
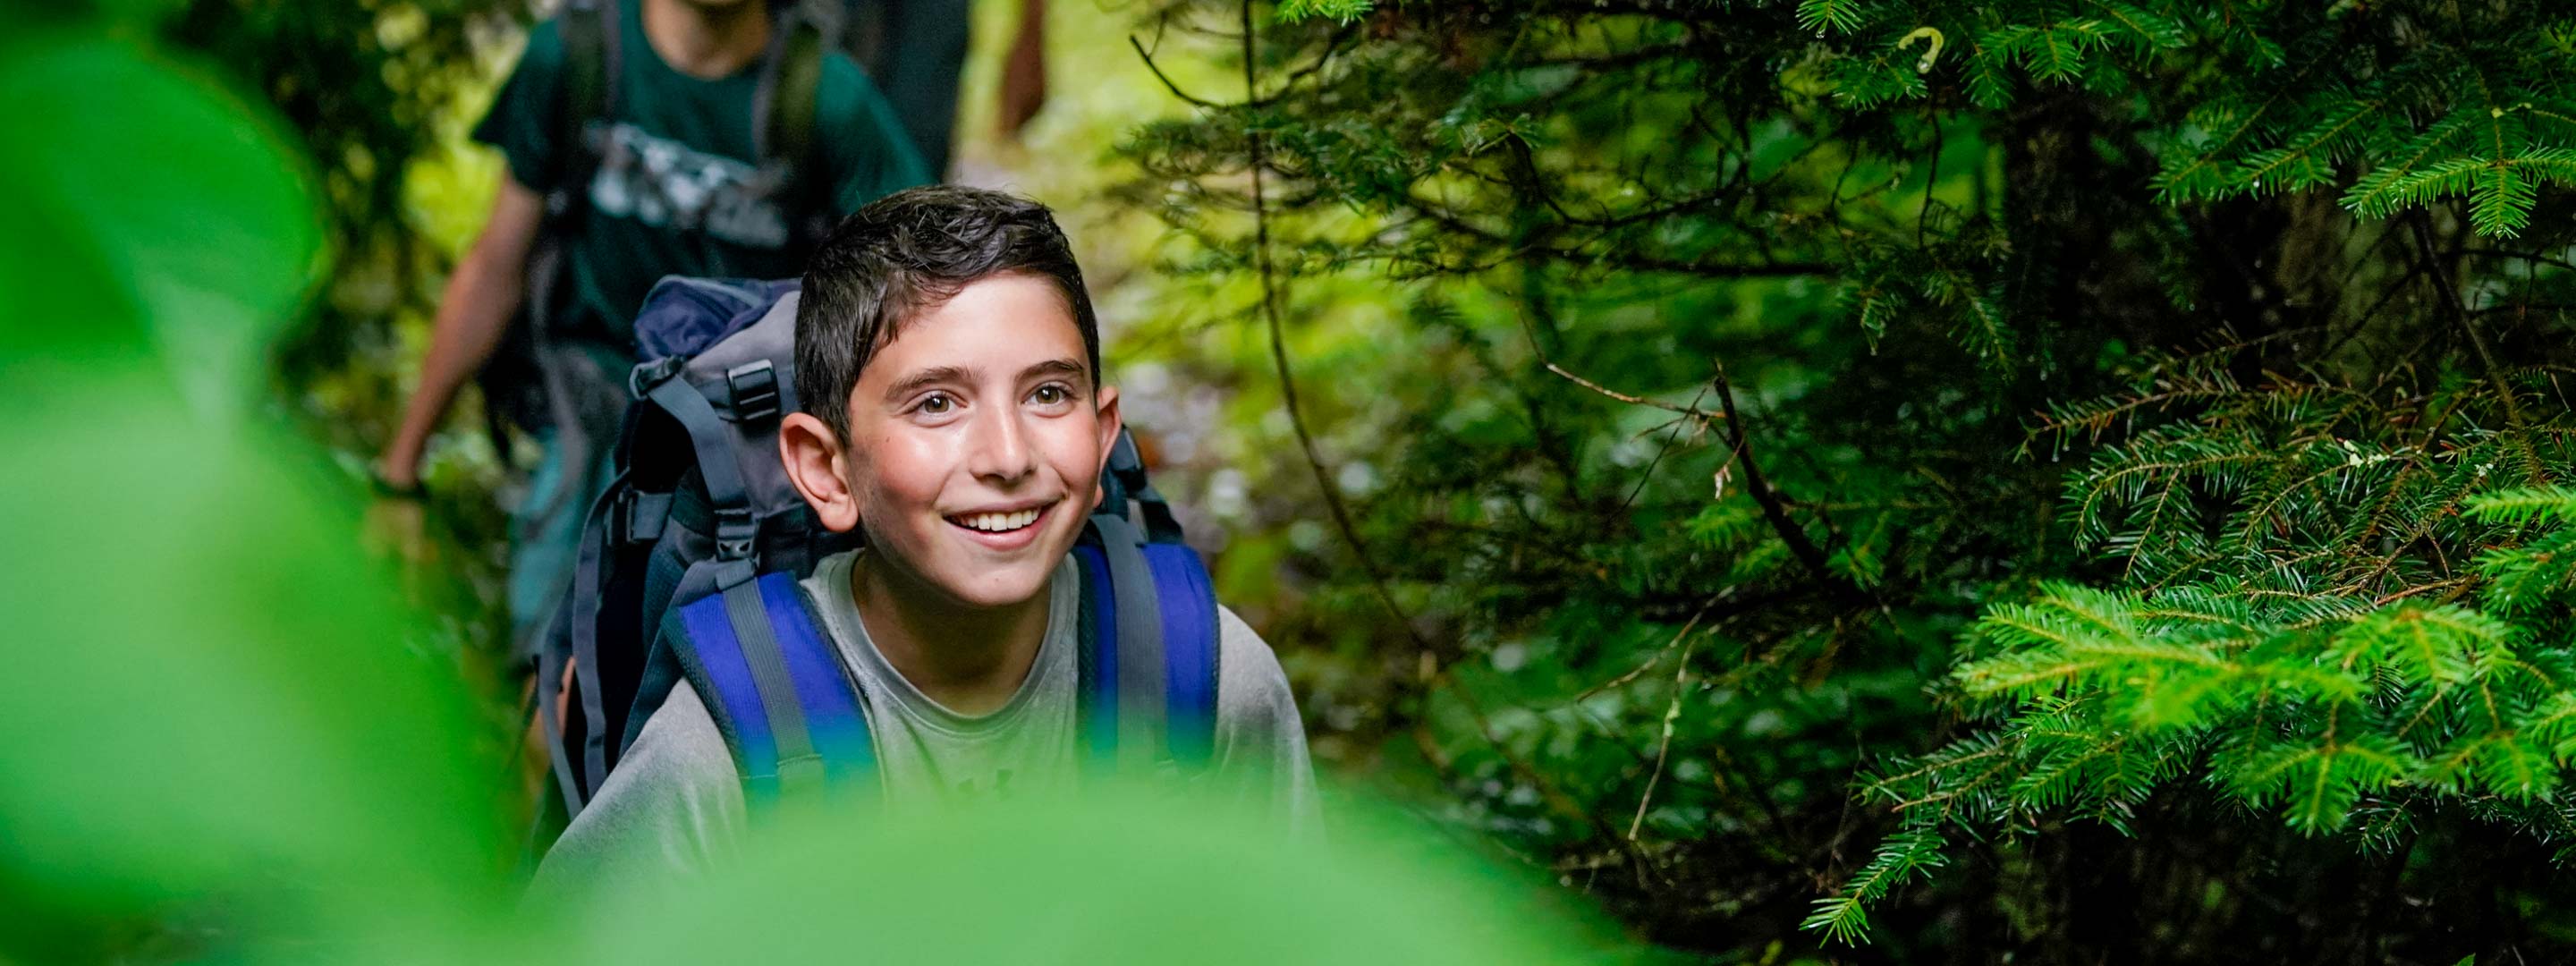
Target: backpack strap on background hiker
592	56
1149	649
775	687
785	101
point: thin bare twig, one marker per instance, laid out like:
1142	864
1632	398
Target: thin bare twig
1664	745
1651	661
1540	349
2459	314
1790	532
1626	398
1287	380
1166	79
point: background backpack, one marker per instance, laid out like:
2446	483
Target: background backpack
689	563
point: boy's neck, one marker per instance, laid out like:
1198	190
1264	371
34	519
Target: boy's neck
707	41
969	660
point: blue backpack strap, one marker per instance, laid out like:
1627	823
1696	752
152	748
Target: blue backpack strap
1149	649
1190	649
788	711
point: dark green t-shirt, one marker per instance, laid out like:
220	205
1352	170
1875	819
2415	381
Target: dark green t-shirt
679	189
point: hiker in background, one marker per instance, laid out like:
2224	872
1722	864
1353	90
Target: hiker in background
916	52
644	138
1007	625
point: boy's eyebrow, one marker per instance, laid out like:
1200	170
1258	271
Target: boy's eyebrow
927	378
1054	367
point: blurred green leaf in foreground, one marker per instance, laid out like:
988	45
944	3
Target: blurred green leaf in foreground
1120	876
211	715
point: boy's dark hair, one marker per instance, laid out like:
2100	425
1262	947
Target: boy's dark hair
906	253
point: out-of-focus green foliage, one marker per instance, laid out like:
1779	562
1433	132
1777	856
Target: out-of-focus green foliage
378	95
212	713
1131	875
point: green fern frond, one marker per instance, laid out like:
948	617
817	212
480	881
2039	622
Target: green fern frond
1340	11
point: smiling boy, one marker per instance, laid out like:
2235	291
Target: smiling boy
954	414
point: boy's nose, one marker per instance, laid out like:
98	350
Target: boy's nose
1001	452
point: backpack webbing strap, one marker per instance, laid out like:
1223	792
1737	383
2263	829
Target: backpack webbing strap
581	611
1096	695
1149	649
592	39
760	652
1138	638
1127	481
736	529
787	710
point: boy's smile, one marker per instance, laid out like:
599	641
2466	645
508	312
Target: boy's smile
976	445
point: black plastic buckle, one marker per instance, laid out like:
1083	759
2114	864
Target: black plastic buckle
621	518
736	534
755	390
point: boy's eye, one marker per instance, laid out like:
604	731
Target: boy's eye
1051	395
937	404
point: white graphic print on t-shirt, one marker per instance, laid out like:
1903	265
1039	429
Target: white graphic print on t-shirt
666	184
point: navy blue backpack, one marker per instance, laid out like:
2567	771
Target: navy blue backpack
690	562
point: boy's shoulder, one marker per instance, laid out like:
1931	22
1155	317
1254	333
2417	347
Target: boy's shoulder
676	786
1251	684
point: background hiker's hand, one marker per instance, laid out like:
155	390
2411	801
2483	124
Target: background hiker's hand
398	527
397	472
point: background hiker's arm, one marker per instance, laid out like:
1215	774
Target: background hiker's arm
473	313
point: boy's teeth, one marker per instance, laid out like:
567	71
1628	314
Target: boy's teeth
1000	522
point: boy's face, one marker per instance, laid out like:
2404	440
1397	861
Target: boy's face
976	445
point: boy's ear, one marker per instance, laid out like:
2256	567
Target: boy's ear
1110	423
819	467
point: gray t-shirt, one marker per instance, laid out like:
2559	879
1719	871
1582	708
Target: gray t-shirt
675	800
